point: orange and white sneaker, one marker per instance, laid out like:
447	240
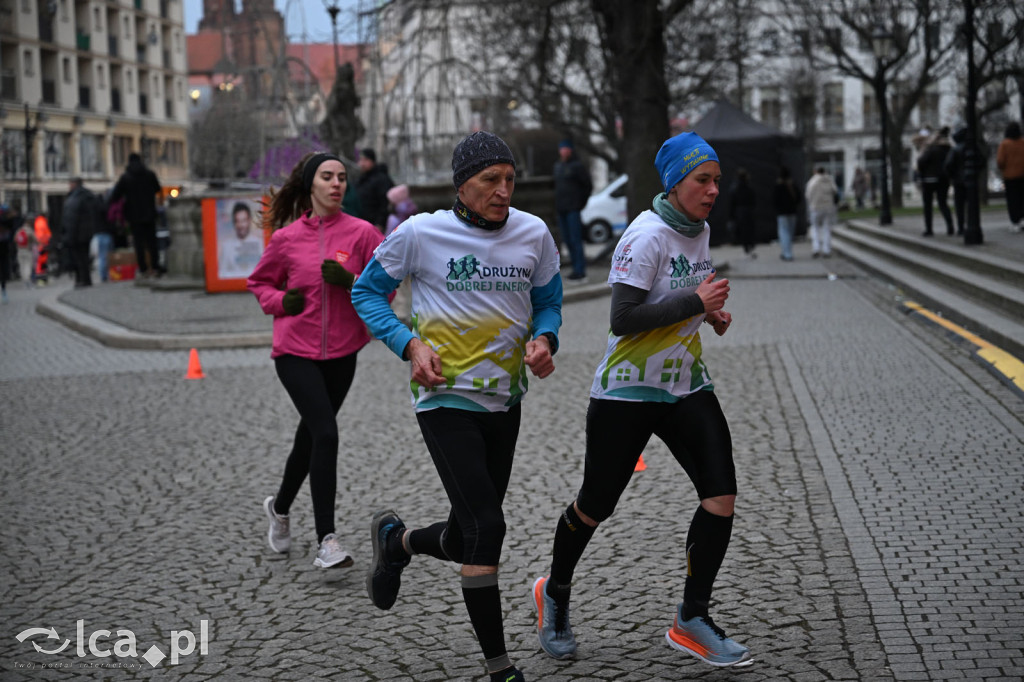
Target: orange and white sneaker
701	638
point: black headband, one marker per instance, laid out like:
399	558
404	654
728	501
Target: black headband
309	170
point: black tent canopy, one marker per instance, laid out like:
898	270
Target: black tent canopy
742	142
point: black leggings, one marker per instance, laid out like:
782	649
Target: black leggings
694	429
473	454
317	388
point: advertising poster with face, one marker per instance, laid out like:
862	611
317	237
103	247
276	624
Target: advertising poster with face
233	241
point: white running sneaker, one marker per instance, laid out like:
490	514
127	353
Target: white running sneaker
331	554
279	536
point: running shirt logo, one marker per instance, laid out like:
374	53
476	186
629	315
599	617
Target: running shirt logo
680	267
463	268
341	256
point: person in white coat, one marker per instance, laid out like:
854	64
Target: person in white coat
821	193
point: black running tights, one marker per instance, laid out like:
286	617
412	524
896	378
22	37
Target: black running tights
317	388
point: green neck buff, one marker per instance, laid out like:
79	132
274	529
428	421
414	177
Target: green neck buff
675	219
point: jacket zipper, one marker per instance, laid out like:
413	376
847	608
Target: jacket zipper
324	297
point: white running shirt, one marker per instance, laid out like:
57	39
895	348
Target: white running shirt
471	301
663	364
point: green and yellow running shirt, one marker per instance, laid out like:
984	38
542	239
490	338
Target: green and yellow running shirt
663	364
478	296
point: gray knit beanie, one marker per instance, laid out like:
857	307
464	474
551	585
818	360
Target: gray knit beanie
476	152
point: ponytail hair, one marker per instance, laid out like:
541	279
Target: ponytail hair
285	205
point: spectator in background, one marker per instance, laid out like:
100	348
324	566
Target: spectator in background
954	167
139	187
741	207
572	189
821	194
402	206
374	183
934	183
1010	161
41	252
6	240
786	200
78	224
104	237
860	186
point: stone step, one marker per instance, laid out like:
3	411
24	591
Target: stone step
995	326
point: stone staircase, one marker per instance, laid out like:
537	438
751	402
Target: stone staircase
979	288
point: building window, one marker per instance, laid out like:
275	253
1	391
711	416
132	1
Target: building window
121	147
933	35
129	82
833	37
101	77
12	146
30	69
56	153
832	108
802	41
66	67
928	108
64	11
97	19
90	154
771	107
770	42
872	120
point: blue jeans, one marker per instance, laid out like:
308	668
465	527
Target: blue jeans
104	243
571	227
786	228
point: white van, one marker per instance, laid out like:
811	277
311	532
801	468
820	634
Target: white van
604	216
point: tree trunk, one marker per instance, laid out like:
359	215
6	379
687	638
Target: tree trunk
635	35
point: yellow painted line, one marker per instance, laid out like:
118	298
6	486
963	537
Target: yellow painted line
1004	363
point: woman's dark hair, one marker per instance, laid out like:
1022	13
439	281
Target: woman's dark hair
1013	131
286	204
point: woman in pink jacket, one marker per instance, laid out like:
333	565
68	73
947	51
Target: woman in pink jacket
303	280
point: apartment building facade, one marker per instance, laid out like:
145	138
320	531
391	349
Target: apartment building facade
84	83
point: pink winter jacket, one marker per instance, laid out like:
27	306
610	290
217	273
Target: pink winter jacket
328	326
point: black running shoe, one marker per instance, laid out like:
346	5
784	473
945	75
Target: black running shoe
384	578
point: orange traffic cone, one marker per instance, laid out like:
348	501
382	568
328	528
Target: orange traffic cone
195	370
640	466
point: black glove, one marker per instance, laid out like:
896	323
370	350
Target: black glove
293	302
333	273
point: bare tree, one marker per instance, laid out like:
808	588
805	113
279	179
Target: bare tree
220	145
921	52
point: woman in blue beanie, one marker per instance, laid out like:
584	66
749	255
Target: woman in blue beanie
653	381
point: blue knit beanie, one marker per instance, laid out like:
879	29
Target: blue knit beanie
680	155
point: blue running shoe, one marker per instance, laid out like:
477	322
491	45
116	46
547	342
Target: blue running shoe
384	578
553	628
700	637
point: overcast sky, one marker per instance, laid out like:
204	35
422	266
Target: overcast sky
312	13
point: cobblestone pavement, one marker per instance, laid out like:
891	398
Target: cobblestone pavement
878	531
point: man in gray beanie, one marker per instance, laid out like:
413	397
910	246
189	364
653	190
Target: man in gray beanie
487	301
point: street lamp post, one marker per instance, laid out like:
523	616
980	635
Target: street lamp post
333	9
881	44
30	136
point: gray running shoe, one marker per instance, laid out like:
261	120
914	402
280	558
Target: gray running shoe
702	639
331	554
553	628
279	536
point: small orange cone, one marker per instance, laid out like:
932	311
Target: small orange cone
195	370
640	466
